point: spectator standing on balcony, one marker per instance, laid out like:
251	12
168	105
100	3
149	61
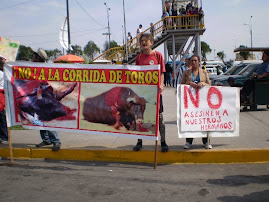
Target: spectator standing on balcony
194	11
151	57
174	11
168	8
139	30
201	15
165	20
3	122
174	14
189	6
189	10
182	11
129	37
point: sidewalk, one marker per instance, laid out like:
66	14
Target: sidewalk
251	146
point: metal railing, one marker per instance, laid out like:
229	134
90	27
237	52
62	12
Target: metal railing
165	24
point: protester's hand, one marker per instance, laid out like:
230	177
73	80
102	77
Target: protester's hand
200	85
161	89
194	85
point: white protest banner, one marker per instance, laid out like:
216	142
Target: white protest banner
9	48
211	109
93	99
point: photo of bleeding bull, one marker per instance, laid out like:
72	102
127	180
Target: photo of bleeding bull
120	108
46	103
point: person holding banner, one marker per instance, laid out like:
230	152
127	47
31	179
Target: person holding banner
48	137
3	122
196	78
150	57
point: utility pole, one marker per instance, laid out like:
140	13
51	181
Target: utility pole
251	31
108	28
68	26
250	28
126	47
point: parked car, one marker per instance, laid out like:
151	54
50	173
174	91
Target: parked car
233	71
241	78
211	69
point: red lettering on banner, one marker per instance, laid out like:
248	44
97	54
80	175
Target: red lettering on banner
212	91
225	112
186	115
230	125
194	101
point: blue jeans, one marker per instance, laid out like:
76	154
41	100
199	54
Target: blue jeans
3	126
50	137
168	78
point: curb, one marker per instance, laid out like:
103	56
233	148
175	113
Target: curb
197	156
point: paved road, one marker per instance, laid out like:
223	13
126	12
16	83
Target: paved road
37	180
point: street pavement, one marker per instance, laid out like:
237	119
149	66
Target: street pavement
39	180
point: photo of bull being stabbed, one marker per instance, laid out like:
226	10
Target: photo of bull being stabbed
124	108
46	103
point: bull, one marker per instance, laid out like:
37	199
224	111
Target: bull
119	106
37	101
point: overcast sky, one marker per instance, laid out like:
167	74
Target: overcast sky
37	23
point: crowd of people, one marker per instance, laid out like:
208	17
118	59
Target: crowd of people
171	9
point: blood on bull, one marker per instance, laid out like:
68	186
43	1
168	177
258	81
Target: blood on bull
119	106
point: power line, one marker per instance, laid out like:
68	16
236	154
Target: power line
7	7
88	14
58	40
55	33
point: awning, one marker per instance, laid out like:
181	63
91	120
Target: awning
256	49
69	59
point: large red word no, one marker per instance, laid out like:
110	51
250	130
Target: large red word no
196	101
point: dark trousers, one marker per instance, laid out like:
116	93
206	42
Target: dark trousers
3	126
190	140
246	90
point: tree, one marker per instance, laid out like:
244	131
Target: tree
53	54
25	53
205	48
221	55
91	49
245	55
76	50
113	44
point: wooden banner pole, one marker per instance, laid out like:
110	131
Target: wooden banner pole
10	146
156	150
